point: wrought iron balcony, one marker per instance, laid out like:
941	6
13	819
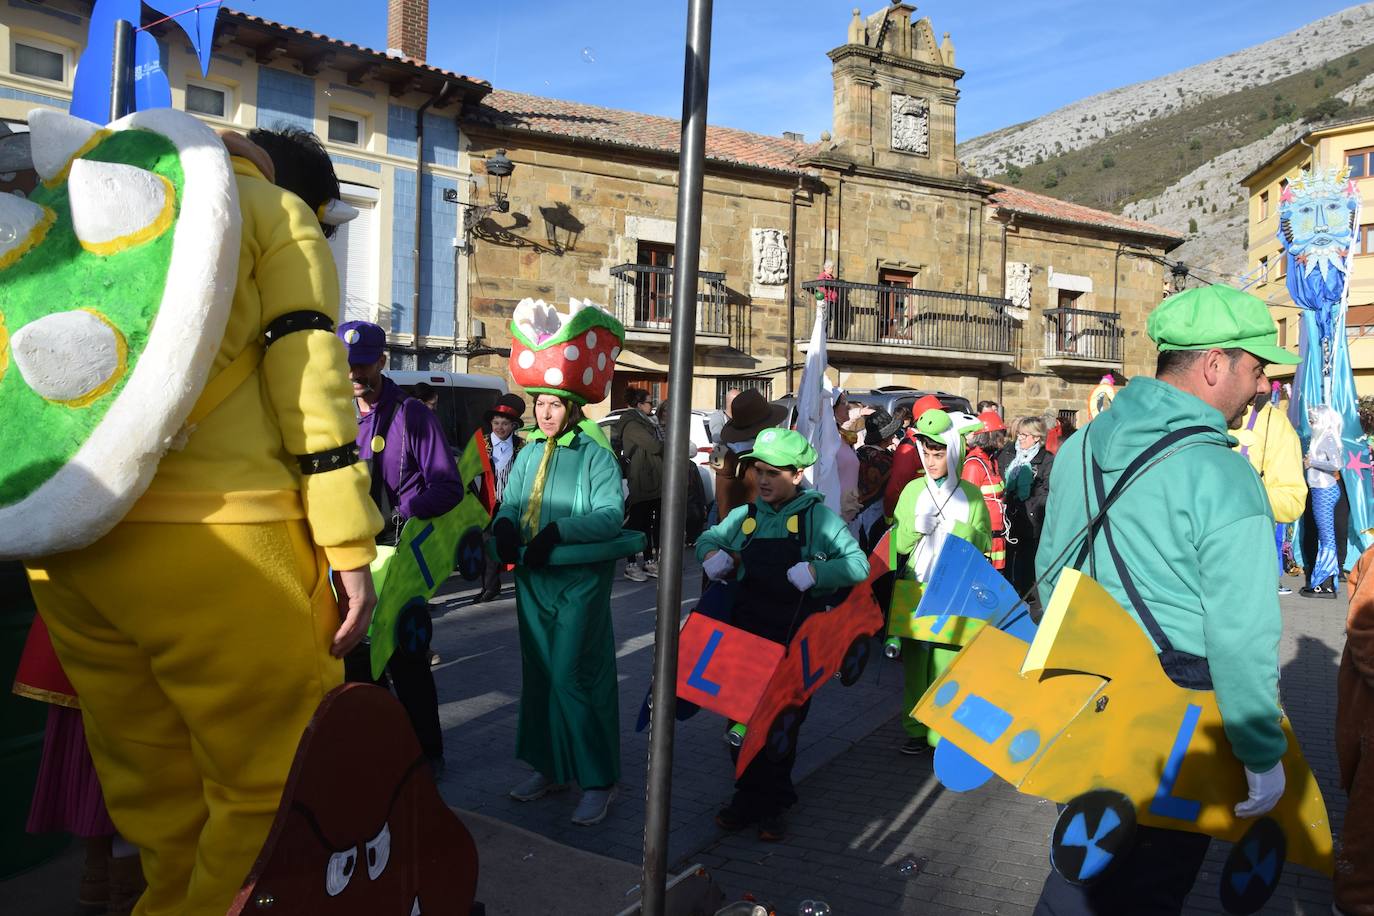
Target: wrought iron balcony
867	313
644	301
1093	338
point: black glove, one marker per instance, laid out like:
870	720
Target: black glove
541	545
507	540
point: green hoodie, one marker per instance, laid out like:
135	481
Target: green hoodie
827	544
1197	535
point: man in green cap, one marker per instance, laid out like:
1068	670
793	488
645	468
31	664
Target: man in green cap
1184	547
784	555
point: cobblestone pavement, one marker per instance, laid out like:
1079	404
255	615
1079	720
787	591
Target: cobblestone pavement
478	680
874	832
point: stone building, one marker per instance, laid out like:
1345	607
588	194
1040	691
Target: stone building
943	280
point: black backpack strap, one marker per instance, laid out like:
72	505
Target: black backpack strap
1137	602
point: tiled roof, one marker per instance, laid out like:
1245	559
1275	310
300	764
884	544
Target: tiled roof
518	111
1015	200
231	15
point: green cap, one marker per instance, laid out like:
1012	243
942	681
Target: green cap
1220	317
782	448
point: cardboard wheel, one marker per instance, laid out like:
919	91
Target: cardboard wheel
855	661
1254	867
1093	834
782	735
414	629
470	557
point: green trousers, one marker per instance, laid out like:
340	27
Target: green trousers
922	663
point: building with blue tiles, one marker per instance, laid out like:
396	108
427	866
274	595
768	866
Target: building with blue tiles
368	107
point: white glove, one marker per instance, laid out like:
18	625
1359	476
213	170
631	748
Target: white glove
1265	791
718	565
801	576
925	523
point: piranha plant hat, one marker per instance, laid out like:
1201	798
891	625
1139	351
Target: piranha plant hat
782	448
1217	317
572	356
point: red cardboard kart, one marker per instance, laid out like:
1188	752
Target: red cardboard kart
758	682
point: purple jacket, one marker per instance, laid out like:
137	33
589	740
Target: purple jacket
417	466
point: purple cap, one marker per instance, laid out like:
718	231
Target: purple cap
366	342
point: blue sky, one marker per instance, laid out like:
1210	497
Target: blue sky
769	72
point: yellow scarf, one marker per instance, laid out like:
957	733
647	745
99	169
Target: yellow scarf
529	521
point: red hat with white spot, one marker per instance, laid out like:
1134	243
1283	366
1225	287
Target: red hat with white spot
570	355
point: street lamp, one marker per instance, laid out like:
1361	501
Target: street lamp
499	167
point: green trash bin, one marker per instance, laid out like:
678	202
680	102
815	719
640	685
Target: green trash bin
21	734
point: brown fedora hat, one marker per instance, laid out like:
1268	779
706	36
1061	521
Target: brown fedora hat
750	414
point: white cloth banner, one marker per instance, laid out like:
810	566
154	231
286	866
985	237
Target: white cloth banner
816	416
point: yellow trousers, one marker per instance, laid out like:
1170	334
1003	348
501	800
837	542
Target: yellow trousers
199	653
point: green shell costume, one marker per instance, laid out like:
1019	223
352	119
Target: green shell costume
116	278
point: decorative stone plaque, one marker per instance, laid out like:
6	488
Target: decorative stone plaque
770	263
910	124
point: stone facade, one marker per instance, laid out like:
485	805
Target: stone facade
885	199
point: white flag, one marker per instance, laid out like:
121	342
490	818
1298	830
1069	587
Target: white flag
816	416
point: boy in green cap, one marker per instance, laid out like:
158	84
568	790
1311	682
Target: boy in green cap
785	554
930	509
1185	548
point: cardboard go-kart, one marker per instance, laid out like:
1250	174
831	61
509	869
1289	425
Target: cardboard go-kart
760	683
965	594
407	576
1084	715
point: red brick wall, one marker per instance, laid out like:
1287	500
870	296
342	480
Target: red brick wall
407	27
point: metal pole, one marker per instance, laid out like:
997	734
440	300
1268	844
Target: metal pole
696	78
122	77
792	289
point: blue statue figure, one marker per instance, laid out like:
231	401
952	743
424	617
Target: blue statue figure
1318	219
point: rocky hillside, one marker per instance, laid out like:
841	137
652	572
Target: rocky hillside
1098	117
1179	165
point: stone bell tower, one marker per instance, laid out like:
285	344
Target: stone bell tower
895	94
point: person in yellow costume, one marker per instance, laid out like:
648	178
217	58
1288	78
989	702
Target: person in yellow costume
201	632
1275	452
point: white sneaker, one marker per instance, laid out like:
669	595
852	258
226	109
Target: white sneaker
537	785
1285	590
593	807
651	568
635	573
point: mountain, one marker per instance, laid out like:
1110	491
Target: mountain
1173	150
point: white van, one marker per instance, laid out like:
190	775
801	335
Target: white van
463	399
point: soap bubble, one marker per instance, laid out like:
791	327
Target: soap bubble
813	908
589	55
7	233
526	857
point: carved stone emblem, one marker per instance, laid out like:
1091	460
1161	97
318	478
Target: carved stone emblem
1019	289
910	124
770	256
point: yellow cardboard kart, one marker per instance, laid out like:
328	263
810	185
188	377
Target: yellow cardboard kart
1085	716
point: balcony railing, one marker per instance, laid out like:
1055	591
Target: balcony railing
1080	334
897	315
644	300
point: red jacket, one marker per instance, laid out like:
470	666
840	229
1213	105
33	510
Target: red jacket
981	471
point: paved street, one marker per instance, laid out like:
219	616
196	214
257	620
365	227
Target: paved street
874	833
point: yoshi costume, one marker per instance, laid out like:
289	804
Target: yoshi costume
927	513
186	591
566	491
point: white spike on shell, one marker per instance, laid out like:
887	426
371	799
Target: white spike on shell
56	137
17	219
110	201
67	355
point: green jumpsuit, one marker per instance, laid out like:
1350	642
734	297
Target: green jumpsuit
569	727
